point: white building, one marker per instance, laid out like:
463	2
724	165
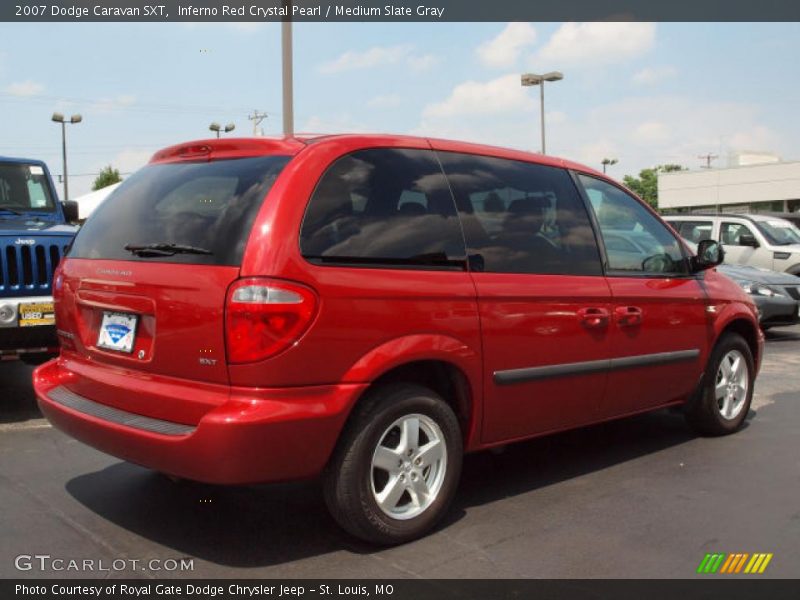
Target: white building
766	187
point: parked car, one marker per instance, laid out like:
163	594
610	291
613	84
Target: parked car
34	235
777	295
755	240
365	309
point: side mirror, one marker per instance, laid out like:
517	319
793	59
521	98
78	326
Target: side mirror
748	239
70	208
709	254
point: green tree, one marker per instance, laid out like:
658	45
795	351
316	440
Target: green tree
646	184
106	177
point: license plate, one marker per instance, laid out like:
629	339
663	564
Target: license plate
33	314
117	332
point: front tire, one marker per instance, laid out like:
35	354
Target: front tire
397	466
721	404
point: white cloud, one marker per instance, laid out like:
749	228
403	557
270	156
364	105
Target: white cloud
555	117
596	43
25	88
593	152
503	50
106	105
379	56
501	95
339	123
754	138
653	75
640	131
129	160
422	63
385	101
651	131
372	57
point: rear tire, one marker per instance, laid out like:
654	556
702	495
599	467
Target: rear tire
721	404
397	465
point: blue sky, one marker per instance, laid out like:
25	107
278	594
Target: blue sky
642	93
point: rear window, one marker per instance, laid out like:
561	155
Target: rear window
208	205
24	188
385	207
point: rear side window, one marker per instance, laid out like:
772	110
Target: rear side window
520	217
387	207
207	205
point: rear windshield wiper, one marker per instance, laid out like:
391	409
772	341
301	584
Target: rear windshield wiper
163	249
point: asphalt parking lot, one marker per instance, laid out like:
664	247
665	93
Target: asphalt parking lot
641	497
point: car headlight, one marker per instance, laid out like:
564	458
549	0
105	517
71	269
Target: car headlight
758	289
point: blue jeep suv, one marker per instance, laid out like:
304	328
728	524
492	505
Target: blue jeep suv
34	235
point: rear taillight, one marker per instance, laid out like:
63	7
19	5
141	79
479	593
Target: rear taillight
265	316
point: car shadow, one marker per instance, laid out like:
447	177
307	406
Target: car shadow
252	526
18	400
782	335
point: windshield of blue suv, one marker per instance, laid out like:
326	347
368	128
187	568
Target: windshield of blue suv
779	232
24	188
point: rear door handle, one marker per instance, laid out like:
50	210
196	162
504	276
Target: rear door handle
628	316
594	317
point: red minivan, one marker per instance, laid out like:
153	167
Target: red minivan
368	308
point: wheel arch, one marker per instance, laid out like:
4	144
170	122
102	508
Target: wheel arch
441	363
748	330
794	270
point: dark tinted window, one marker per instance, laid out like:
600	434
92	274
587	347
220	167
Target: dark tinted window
209	205
520	217
651	247
24	188
386	207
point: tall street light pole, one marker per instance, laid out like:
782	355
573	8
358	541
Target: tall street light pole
529	79
74	119
286	68
607	162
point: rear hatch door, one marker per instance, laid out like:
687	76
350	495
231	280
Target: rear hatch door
144	285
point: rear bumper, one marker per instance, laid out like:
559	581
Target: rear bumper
255	435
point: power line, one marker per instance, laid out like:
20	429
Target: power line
123	105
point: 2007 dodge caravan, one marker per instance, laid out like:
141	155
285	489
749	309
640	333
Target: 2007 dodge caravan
368	308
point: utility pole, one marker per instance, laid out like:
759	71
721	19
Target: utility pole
286	64
256	118
708	158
